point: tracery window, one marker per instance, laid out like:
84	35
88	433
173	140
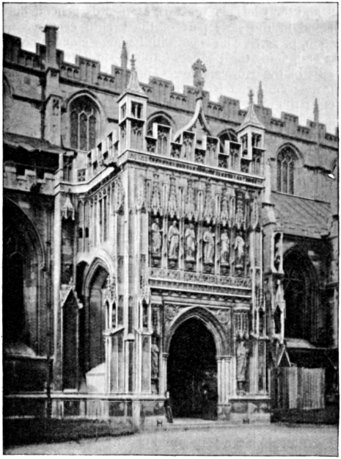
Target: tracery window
286	170
83	124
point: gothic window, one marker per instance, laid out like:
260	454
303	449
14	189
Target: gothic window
285	170
136	110
83	124
227	135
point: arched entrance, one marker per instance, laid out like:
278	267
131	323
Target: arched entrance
192	371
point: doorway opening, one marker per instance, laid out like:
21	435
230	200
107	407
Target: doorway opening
192	371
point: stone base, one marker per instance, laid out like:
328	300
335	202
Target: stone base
245	410
143	413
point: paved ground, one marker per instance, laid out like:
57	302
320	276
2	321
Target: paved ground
273	440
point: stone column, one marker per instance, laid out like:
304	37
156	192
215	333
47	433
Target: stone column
57	315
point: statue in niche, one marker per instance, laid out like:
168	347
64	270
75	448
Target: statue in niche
242	359
239	245
190	243
225	248
187	147
156	239
208	239
173	241
155	353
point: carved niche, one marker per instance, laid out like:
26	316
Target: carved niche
155	202
118	196
172	200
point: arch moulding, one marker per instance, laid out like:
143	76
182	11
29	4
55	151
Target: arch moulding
210	322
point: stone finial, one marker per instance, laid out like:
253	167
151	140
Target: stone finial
260	95
133	83
124	56
316	111
198	80
250	97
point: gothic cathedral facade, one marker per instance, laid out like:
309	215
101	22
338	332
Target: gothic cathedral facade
158	242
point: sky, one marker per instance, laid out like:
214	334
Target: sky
290	47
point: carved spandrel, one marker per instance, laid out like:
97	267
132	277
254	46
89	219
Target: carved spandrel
224	318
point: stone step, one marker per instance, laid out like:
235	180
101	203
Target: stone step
189	424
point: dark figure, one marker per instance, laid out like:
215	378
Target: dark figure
205	403
168	408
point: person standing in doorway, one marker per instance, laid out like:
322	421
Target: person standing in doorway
168	408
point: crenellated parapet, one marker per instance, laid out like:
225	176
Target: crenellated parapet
161	91
27	180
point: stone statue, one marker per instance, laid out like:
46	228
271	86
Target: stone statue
156	239
242	357
190	243
239	248
187	142
173	241
208	239
225	248
155	353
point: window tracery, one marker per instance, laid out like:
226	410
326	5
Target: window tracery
83	124
285	170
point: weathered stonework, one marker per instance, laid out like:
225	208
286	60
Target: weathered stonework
184	211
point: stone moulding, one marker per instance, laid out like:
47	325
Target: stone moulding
194	168
188	277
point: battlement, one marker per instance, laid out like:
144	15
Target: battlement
19	179
161	91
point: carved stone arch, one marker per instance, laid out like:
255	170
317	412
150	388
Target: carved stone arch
24	290
93	320
210	322
89	99
301	294
102	259
25	226
160	117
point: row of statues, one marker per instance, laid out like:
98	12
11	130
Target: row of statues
190	242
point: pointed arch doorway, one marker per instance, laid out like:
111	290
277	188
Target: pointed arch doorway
192	371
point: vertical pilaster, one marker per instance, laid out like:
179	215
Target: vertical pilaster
57	315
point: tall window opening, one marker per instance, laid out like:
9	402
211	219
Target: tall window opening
285	170
301	296
83	124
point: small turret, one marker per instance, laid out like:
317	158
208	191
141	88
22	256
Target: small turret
251	137
132	113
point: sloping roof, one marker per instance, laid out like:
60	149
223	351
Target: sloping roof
30	143
301	216
251	119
